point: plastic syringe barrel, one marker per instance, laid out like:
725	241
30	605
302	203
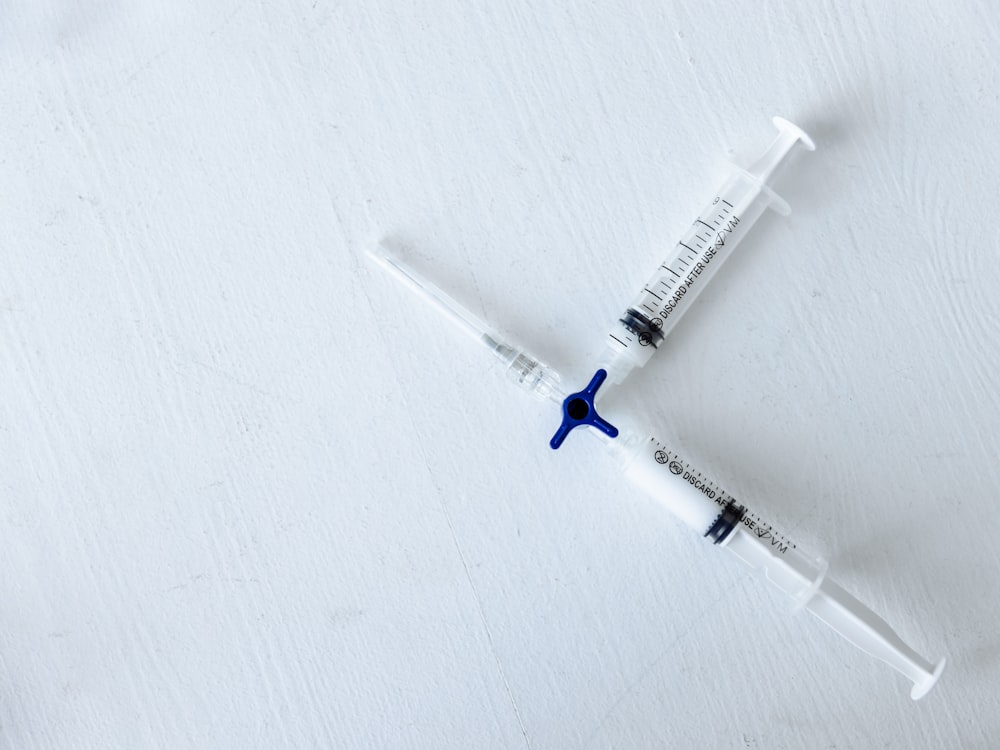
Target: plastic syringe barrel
680	279
698	255
711	511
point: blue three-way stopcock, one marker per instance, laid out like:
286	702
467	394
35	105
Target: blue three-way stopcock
579	411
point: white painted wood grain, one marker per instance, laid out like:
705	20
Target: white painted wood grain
251	496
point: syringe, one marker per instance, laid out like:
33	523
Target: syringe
700	503
705	507
699	254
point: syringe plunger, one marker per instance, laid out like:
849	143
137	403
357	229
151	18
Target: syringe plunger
805	580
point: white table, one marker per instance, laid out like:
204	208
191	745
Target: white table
253	496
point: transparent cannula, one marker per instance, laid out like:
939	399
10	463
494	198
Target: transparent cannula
524	370
698	255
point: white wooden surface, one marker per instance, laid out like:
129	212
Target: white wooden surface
251	496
